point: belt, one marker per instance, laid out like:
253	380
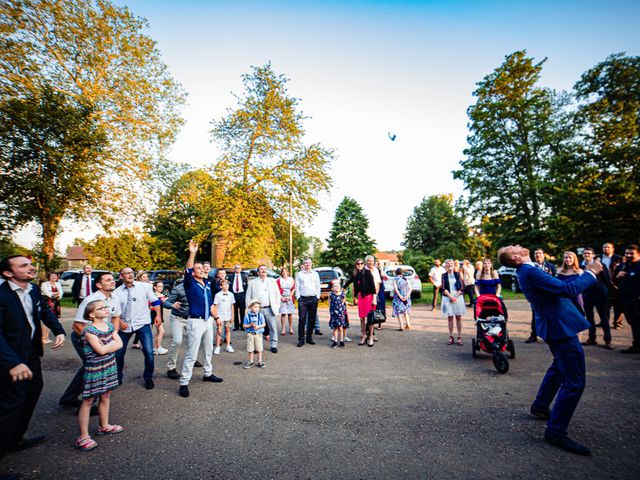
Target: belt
198	316
180	315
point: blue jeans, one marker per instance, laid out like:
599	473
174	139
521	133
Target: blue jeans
146	339
565	380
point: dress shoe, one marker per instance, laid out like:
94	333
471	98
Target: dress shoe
565	443
607	345
318	332
235	329
591	341
211	378
540	413
300	344
26	443
197	364
310	341
183	391
274	350
631	350
173	374
531	340
148	384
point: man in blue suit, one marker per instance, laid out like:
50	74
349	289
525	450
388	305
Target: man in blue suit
558	322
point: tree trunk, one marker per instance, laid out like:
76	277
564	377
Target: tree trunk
218	251
49	233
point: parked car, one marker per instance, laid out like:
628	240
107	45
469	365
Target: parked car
167	277
409	273
509	278
327	276
66	280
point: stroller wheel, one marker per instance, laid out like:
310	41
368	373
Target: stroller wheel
511	348
500	362
474	348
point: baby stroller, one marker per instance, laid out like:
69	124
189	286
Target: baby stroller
492	336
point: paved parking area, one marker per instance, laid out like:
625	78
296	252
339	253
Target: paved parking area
411	408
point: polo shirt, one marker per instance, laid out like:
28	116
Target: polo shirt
199	295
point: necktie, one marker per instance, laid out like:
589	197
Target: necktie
88	292
206	303
127	308
237	282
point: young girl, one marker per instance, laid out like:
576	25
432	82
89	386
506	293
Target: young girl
158	349
100	341
401	299
338	312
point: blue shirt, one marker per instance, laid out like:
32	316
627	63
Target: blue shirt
198	295
258	319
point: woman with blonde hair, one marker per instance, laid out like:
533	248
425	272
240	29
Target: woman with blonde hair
487	280
570	267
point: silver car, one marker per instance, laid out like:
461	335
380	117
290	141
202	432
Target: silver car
409	273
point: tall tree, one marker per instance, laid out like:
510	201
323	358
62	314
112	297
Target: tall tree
348	238
516	128
598	198
264	157
434	228
93	53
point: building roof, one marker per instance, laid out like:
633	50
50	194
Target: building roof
76	252
390	257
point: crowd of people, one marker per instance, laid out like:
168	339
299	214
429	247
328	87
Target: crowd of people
205	310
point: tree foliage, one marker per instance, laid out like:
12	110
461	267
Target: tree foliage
517	128
434	228
139	251
348	237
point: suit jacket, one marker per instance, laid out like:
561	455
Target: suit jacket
616	260
557	316
274	293
244	279
77	285
16	344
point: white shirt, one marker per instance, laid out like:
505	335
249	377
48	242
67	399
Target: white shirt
47	290
435	274
224	301
307	284
111	302
141	294
27	303
237	277
261	292
468	274
606	261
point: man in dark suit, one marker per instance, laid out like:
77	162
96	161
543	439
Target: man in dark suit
545	266
558	321
21	311
627	278
238	283
597	297
83	285
612	261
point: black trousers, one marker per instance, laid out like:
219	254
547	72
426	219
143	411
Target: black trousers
307	311
75	388
534	333
469	290
632	314
601	304
239	308
17	402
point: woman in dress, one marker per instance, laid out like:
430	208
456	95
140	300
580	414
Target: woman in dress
52	291
488	281
158	349
570	267
401	299
453	300
287	287
364	289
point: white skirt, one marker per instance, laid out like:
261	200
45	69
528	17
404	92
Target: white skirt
452	309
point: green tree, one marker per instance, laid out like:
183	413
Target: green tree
51	165
348	237
139	251
419	261
598	197
265	163
94	54
516	129
434	228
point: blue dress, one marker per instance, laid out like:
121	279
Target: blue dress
399	306
488	287
337	310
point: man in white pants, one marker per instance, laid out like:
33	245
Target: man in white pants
198	291
266	291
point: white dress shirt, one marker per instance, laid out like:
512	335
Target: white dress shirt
27	303
307	284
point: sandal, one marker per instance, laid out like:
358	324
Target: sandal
85	443
290	332
450	341
110	430
283	333
459	341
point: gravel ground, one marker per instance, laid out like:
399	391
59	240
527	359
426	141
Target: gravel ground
411	408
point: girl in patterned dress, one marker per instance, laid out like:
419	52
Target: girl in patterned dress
338	314
100	342
401	299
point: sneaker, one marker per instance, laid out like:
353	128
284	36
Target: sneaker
173	374
347	339
341	344
183	391
197	364
261	365
161	351
248	365
216	351
137	346
334	344
229	349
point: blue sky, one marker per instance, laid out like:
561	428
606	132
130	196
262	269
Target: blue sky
364	68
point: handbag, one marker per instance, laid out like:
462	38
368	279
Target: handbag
375	316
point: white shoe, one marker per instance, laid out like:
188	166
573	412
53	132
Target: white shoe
229	349
161	351
155	352
347	339
216	351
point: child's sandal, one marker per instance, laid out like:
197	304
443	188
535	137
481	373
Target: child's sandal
110	430
85	443
459	341
450	341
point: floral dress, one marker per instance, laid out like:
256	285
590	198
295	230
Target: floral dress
337	310
286	307
400	306
100	371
